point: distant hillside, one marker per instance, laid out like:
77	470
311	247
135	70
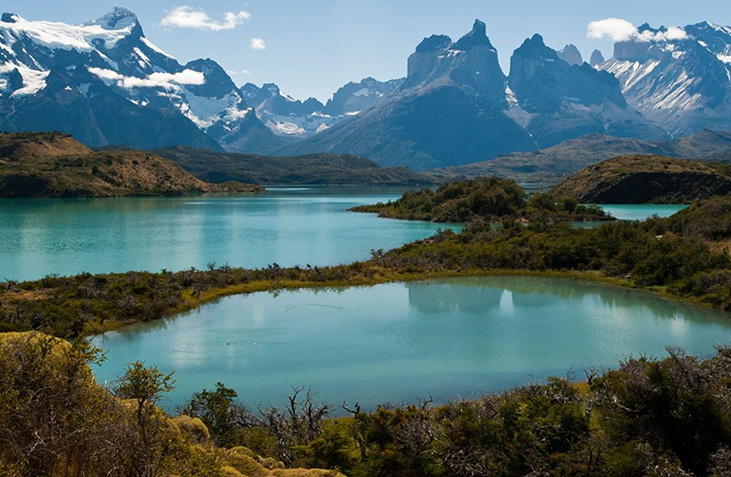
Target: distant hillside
28	144
56	165
554	164
646	179
309	169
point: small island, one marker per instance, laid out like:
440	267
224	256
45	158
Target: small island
488	199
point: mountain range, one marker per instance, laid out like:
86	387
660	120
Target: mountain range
681	82
456	106
106	83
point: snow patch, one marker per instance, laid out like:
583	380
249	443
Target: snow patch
33	80
235	114
205	112
53	35
142	56
154	48
286	129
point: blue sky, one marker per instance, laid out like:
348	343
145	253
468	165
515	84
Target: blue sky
310	48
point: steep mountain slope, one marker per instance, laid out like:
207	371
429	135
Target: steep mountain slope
681	81
646	179
355	97
106	83
556	101
294	119
310	169
449	110
55	165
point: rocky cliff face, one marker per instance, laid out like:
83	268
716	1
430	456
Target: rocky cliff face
470	64
571	55
556	101
450	109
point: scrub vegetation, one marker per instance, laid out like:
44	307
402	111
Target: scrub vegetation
646	418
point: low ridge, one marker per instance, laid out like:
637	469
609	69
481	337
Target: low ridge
56	165
646	180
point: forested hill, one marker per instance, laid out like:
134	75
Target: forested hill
56	165
489	199
343	169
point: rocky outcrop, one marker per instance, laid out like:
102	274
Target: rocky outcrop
571	55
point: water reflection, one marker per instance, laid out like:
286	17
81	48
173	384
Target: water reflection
393	342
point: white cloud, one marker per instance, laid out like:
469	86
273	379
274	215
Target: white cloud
239	72
106	74
189	17
168	81
614	28
257	44
672	33
618	29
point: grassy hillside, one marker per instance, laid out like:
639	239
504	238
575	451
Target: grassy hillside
646	179
310	169
55	165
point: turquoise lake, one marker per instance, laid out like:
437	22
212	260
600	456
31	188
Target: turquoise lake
393	342
397	342
289	226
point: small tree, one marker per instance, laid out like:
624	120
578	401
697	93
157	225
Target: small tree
220	412
149	445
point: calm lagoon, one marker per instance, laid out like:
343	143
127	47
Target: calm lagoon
396	342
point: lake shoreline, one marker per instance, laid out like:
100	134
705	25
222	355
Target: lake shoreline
192	302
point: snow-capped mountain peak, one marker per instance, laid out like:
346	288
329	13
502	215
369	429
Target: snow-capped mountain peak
54	35
111	58
117	18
